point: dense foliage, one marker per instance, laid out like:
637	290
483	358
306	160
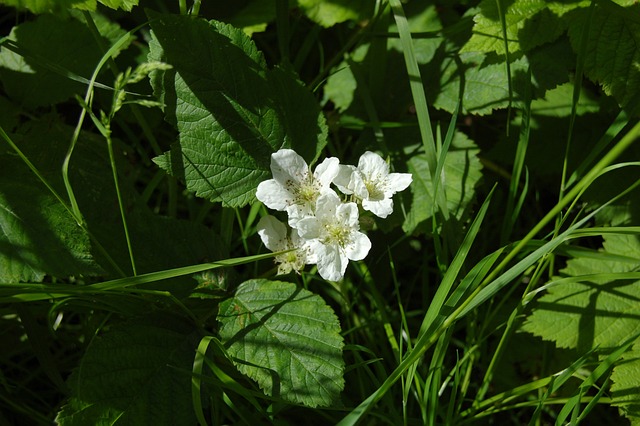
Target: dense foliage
331	212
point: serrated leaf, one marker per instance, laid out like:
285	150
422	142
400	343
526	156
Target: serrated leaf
51	6
558	103
625	389
286	339
136	373
485	86
330	13
58	246
612	54
586	313
461	172
230	111
54	52
38	235
120	4
255	16
529	23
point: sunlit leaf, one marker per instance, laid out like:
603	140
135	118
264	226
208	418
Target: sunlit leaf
329	13
612	54
286	339
586	313
461	172
625	389
231	112
50	6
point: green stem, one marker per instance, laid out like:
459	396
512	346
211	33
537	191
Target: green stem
123	216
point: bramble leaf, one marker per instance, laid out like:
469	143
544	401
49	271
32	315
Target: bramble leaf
461	172
330	13
38	235
529	23
53	51
286	339
625	389
586	311
613	51
136	373
230	111
120	4
51	6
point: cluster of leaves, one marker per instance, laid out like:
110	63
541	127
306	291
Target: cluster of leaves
133	142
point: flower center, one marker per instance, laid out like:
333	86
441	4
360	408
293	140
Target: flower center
375	191
336	234
306	191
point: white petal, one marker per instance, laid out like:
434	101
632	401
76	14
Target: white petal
287	165
347	214
332	262
273	233
381	208
372	165
308	228
397	182
326	206
326	171
273	195
343	178
359	246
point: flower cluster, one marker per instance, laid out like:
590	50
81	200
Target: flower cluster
322	228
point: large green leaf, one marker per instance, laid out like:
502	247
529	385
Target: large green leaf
137	373
286	339
54	54
51	6
625	389
329	13
38	235
584	311
528	23
461	172
120	4
613	48
230	111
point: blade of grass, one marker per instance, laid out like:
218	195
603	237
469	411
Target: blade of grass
454	269
572	405
25	292
512	210
491	285
418	94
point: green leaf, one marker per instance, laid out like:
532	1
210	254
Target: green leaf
558	103
286	339
50	241
54	53
529	23
625	390
137	373
595	303
120	4
330	13
483	88
461	172
230	111
51	6
38	235
255	16
612	54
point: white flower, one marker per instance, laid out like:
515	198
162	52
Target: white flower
275	236
372	183
293	188
333	236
